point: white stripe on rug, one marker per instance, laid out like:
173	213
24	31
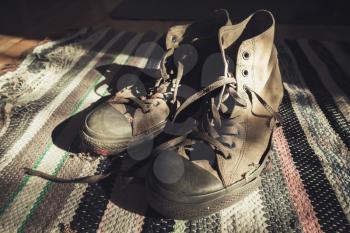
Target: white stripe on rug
22	68
180	226
245	216
40	83
21	206
35	85
40	119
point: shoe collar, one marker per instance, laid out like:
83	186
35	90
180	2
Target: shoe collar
229	34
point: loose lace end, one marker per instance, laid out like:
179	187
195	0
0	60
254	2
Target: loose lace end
83	180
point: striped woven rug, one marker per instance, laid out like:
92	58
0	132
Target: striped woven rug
306	188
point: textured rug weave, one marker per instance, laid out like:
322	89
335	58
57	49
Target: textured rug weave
306	187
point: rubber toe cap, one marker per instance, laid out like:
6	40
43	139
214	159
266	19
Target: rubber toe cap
106	122
176	174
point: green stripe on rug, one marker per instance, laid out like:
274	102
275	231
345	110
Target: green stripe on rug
31	123
62	161
24	182
26	178
59	165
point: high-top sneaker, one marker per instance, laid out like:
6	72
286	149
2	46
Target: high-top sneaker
130	118
220	162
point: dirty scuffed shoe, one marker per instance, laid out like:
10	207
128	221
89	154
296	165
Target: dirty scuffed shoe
130	118
221	160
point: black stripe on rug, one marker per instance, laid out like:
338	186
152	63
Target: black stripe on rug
22	116
336	71
154	222
281	215
211	223
95	199
326	205
322	96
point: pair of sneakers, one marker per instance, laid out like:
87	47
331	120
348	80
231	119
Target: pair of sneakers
214	106
218	129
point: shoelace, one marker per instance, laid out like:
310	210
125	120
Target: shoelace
208	133
160	90
233	131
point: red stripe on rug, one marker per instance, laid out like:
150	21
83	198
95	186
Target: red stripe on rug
305	211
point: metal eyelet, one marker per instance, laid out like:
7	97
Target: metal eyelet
245	55
173	39
245	73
